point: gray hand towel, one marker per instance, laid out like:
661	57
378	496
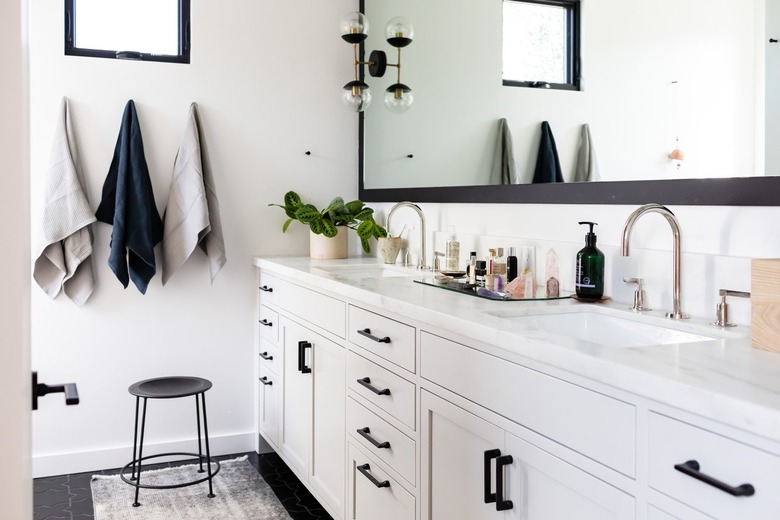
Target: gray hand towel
64	240
504	169
587	166
192	215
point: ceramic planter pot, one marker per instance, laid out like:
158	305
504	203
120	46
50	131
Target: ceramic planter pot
324	248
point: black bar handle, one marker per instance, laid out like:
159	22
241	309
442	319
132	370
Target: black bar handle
266	323
365	433
300	355
364	470
41	389
265	288
303	345
692	467
489	455
772	40
366	381
367	333
501	504
266	356
265	381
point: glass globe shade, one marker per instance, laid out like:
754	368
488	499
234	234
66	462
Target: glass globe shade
356	98
398	98
354	25
399	27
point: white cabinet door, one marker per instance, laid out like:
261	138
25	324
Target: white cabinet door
454	444
296	396
544	487
268	402
327	474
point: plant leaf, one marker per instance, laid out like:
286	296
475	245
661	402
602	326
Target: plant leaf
366	245
292	199
329	229
287	224
365	229
336	205
379	231
354	206
317	227
308	214
365	214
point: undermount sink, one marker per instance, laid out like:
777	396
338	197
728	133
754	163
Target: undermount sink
361	271
608	330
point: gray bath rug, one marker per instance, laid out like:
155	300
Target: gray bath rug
240	491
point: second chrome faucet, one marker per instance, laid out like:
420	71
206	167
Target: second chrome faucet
423	263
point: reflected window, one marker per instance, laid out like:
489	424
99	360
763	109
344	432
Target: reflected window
541	44
148	30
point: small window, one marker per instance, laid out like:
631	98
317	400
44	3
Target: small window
148	30
541	43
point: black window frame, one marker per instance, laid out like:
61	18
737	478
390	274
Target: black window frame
183	40
573	34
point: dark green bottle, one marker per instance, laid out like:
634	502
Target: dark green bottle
589	282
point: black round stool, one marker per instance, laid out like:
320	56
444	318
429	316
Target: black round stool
169	388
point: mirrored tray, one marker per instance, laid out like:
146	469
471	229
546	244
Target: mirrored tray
460	285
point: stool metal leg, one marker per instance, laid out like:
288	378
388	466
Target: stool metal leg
200	450
206	434
140	455
135	435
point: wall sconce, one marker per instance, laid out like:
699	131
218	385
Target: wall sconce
357	94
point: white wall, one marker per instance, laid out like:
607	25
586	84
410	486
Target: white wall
267	77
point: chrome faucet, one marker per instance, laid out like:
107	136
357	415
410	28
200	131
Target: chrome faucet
677	313
422	264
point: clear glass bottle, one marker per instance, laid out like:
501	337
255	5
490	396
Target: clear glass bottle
452	254
499	266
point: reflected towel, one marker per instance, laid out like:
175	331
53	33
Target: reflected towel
65	237
128	204
504	169
587	166
192	215
548	167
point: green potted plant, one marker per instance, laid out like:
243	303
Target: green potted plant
326	223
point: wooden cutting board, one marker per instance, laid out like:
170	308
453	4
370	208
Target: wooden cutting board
765	303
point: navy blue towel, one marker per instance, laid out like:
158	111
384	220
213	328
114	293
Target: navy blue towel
128	204
548	167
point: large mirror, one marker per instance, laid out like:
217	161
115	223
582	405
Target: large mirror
694	75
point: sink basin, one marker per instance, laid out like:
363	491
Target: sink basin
361	271
607	330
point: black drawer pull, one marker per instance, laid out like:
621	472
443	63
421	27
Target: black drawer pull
366	381
692	467
364	432
501	504
367	333
364	470
302	346
265	288
489	455
266	323
266	356
265	381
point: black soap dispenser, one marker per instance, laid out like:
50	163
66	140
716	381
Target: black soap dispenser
590	268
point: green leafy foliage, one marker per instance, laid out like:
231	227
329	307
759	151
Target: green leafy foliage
353	214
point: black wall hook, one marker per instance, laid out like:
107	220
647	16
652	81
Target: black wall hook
307	152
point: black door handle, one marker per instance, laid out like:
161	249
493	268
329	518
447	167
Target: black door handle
266	323
366	381
489	455
692	467
265	381
364	470
364	432
367	333
302	346
265	288
501	504
772	40
266	356
41	389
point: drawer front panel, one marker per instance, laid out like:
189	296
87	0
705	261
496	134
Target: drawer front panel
732	463
368	501
396	395
269	288
269	356
396	449
268	403
323	311
590	423
268	321
389	339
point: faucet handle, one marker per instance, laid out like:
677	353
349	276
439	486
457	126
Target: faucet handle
722	309
639	294
437	256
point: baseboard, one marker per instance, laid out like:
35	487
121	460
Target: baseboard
95	460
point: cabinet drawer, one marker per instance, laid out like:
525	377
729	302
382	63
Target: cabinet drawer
268	402
269	288
732	463
393	394
590	423
395	449
323	311
269	356
268	321
373	493
389	339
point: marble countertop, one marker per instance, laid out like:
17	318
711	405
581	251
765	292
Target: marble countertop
725	379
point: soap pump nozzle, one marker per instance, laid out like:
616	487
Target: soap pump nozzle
590	236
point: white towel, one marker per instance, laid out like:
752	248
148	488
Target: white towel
65	236
192	215
587	166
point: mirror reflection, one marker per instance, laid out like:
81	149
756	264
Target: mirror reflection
670	89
